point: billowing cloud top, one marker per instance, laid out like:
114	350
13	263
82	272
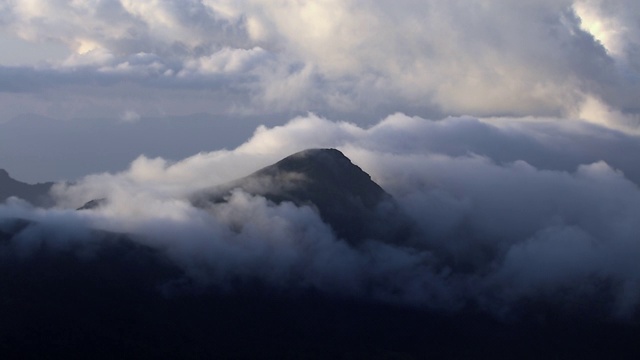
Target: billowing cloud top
504	210
576	58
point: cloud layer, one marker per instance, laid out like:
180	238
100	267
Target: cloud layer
507	210
535	57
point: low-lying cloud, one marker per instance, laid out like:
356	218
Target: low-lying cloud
505	210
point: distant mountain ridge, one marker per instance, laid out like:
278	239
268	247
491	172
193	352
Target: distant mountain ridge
36	194
343	194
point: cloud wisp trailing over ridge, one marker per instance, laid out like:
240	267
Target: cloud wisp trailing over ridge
506	210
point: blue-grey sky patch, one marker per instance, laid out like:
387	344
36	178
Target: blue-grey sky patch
19	52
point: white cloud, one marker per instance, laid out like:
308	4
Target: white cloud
350	57
594	110
130	116
608	31
506	209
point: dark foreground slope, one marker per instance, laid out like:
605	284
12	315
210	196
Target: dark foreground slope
121	300
37	194
346	198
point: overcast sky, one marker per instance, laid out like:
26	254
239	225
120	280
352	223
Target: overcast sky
69	68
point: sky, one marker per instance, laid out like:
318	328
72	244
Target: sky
69	68
507	130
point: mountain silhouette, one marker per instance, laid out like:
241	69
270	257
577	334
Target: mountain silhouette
93	204
37	194
345	196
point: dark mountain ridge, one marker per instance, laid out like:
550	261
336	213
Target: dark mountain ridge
345	196
36	194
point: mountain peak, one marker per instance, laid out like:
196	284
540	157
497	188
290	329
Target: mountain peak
344	195
331	160
326	172
320	154
4	174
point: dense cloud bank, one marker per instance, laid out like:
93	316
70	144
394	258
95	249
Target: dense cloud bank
505	210
547	58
